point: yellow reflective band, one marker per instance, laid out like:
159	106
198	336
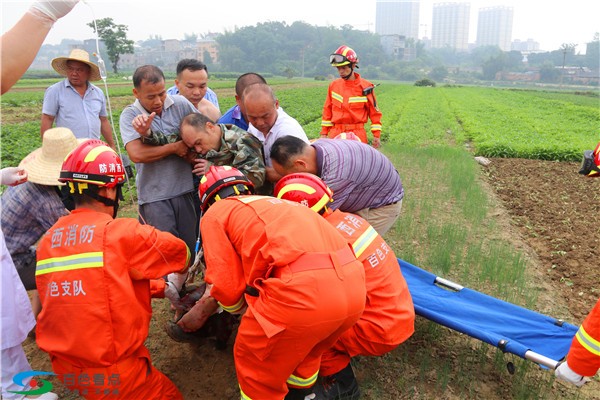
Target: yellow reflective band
244	396
68	263
363	242
326	123
301	382
337	97
361	99
587	342
321	203
375	127
234	308
250	199
95	152
301	187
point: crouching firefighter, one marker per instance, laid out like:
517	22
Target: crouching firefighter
93	273
389	315
291	274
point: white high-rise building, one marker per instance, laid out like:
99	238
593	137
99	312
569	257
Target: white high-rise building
450	25
494	27
397	17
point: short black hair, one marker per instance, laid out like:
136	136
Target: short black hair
150	73
197	120
285	148
247	79
192	64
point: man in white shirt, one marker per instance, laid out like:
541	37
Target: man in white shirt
268	121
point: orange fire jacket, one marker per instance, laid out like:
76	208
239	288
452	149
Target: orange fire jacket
389	314
346	109
584	355
93	275
308	288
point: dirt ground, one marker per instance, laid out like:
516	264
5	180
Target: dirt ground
555	211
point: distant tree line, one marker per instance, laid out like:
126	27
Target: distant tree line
301	49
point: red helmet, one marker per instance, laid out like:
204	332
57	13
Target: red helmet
348	136
221	182
304	188
344	55
94	163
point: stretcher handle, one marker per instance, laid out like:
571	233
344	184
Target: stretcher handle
541	359
446	284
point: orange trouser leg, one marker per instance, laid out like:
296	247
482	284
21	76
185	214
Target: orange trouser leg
347	346
300	329
132	380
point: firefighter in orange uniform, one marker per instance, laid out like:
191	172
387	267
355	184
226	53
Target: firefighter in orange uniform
93	273
583	359
350	101
291	273
389	315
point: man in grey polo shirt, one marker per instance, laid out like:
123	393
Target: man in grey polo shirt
363	180
74	102
164	173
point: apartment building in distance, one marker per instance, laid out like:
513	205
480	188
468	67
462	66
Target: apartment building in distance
450	26
494	27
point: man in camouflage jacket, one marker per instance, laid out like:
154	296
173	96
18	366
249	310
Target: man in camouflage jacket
218	144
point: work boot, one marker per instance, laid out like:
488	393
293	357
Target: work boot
297	394
339	386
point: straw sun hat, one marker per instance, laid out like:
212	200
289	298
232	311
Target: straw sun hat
60	63
43	165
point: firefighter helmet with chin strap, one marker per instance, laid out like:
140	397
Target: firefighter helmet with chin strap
221	182
90	166
92	162
344	55
306	189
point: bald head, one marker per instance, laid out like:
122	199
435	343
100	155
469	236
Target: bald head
245	80
260	106
258	92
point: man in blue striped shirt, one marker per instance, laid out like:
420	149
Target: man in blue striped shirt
363	180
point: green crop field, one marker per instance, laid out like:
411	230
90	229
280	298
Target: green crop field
431	135
494	122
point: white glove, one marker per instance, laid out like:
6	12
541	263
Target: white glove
172	294
52	9
13	176
565	373
177	279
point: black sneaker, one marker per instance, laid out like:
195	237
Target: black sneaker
339	386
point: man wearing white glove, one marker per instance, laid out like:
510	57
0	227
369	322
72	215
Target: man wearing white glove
583	360
18	54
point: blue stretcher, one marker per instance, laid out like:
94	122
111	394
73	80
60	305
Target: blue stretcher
513	329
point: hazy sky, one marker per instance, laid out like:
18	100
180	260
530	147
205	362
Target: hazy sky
549	22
